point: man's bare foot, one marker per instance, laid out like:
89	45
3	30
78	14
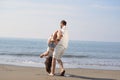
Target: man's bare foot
51	74
62	73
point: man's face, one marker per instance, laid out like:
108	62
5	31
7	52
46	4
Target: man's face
61	25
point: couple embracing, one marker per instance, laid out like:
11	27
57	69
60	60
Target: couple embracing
57	44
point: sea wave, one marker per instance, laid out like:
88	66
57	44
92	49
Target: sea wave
32	54
66	55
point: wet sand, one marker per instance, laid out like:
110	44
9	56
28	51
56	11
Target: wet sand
8	72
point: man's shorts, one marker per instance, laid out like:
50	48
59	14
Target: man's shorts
58	52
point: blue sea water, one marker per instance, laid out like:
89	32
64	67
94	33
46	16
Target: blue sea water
80	54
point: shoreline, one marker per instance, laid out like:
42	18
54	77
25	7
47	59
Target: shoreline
38	66
13	72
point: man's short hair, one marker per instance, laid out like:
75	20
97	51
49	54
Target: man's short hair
64	22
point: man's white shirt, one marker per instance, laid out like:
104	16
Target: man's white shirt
64	41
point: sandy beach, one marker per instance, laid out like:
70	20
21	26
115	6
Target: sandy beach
8	72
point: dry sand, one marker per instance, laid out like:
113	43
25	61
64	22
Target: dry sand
8	72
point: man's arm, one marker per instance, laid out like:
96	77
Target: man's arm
54	35
59	35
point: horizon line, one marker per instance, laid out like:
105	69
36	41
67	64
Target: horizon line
69	40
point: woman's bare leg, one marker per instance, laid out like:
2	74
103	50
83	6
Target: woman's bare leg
44	54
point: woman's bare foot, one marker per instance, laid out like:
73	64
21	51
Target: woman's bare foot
41	55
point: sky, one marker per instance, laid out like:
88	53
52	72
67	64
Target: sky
88	20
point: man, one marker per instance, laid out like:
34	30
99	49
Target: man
60	48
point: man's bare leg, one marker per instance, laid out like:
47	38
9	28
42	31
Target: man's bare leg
53	67
61	65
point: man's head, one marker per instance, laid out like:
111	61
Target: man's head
63	23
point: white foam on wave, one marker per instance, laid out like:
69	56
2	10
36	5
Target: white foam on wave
106	64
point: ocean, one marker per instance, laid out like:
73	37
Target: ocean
80	54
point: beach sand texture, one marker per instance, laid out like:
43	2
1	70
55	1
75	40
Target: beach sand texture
8	72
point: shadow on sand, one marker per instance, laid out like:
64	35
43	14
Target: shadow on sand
87	78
